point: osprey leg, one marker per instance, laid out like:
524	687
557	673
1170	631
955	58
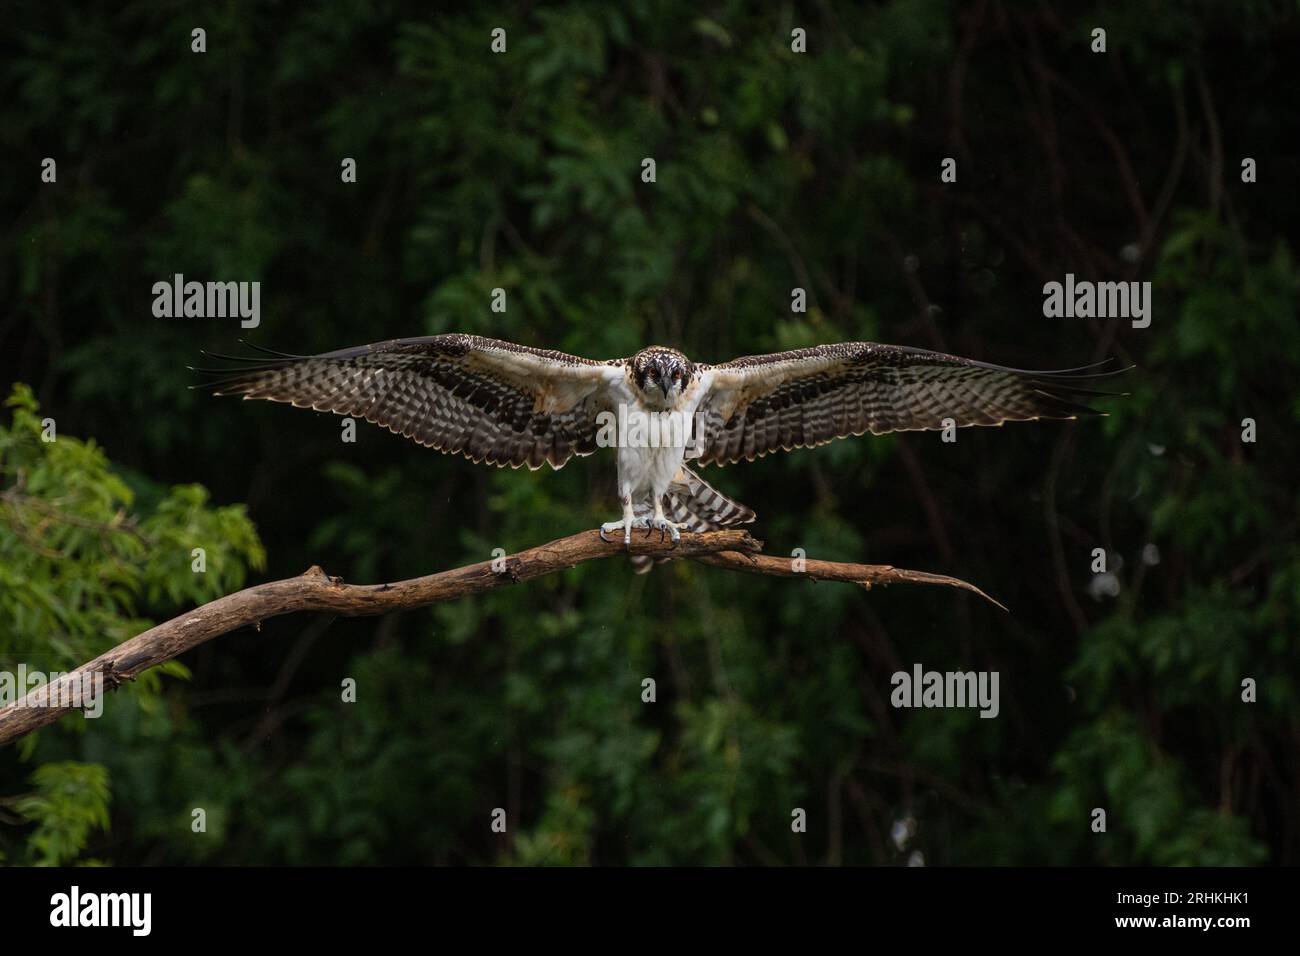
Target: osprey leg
628	522
662	524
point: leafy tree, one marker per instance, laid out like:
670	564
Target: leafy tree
81	554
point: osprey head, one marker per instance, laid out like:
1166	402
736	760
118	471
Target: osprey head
661	374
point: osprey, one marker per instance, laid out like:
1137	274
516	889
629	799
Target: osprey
506	404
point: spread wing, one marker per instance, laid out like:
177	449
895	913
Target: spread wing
766	403
491	401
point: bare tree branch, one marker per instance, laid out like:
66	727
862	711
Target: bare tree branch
865	575
314	590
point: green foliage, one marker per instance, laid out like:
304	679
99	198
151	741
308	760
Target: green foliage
70	800
81	560
77	560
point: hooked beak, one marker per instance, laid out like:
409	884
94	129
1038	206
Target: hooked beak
665	379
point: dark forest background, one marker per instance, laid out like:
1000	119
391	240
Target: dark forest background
775	170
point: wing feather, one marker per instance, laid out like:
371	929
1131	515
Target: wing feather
764	403
489	400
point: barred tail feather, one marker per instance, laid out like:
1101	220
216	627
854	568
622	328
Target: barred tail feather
696	505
